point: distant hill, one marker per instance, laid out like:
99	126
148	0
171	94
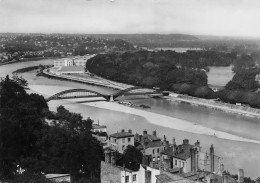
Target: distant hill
148	38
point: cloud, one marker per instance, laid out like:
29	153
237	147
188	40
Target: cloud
217	17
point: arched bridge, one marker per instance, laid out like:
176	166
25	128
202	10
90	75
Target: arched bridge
84	93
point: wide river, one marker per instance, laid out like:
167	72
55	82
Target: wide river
167	117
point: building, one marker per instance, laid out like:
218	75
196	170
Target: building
145	174
166	177
100	133
186	158
99	128
119	141
74	61
71	65
150	145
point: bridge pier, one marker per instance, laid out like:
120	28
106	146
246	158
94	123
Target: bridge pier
111	98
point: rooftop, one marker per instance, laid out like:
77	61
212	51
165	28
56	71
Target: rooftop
181	152
97	126
121	135
166	177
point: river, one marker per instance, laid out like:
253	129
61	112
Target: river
164	116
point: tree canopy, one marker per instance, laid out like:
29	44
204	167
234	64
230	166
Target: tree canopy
65	145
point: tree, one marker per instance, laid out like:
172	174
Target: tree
21	122
132	157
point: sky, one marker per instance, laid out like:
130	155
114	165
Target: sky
197	17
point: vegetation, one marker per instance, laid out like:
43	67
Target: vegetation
180	72
29	143
131	158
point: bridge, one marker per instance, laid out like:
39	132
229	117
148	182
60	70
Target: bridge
84	93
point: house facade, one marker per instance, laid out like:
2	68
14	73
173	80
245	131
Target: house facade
145	174
150	145
120	140
186	158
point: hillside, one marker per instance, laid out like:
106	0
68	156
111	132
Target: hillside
147	38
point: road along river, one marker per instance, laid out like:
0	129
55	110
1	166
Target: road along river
235	137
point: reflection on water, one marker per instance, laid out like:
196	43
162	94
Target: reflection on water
235	154
220	76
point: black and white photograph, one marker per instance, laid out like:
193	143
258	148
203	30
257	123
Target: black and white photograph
129	91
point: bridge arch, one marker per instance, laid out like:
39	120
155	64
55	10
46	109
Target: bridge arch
77	93
139	91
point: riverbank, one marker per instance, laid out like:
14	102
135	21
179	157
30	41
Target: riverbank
170	122
30	60
87	80
225	107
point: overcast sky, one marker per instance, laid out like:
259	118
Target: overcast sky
207	17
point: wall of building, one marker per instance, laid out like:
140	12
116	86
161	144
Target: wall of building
120	144
154	172
142	175
153	151
59	63
110	173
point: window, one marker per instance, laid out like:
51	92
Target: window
153	151
123	147
153	159
182	164
179	163
175	162
158	150
123	140
126	179
134	177
129	139
158	158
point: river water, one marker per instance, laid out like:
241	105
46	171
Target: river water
164	116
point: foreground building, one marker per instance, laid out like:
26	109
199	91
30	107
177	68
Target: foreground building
150	145
186	158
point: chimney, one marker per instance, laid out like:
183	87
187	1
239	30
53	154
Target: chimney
221	168
148	176
197	143
225	178
212	158
194	159
241	175
173	141
129	131
145	132
167	144
154	133
113	158
185	141
107	156
123	130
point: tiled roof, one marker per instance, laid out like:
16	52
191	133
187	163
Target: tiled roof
122	135
154	144
182	151
149	141
166	177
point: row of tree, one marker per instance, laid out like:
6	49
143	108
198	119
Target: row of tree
181	73
27	142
